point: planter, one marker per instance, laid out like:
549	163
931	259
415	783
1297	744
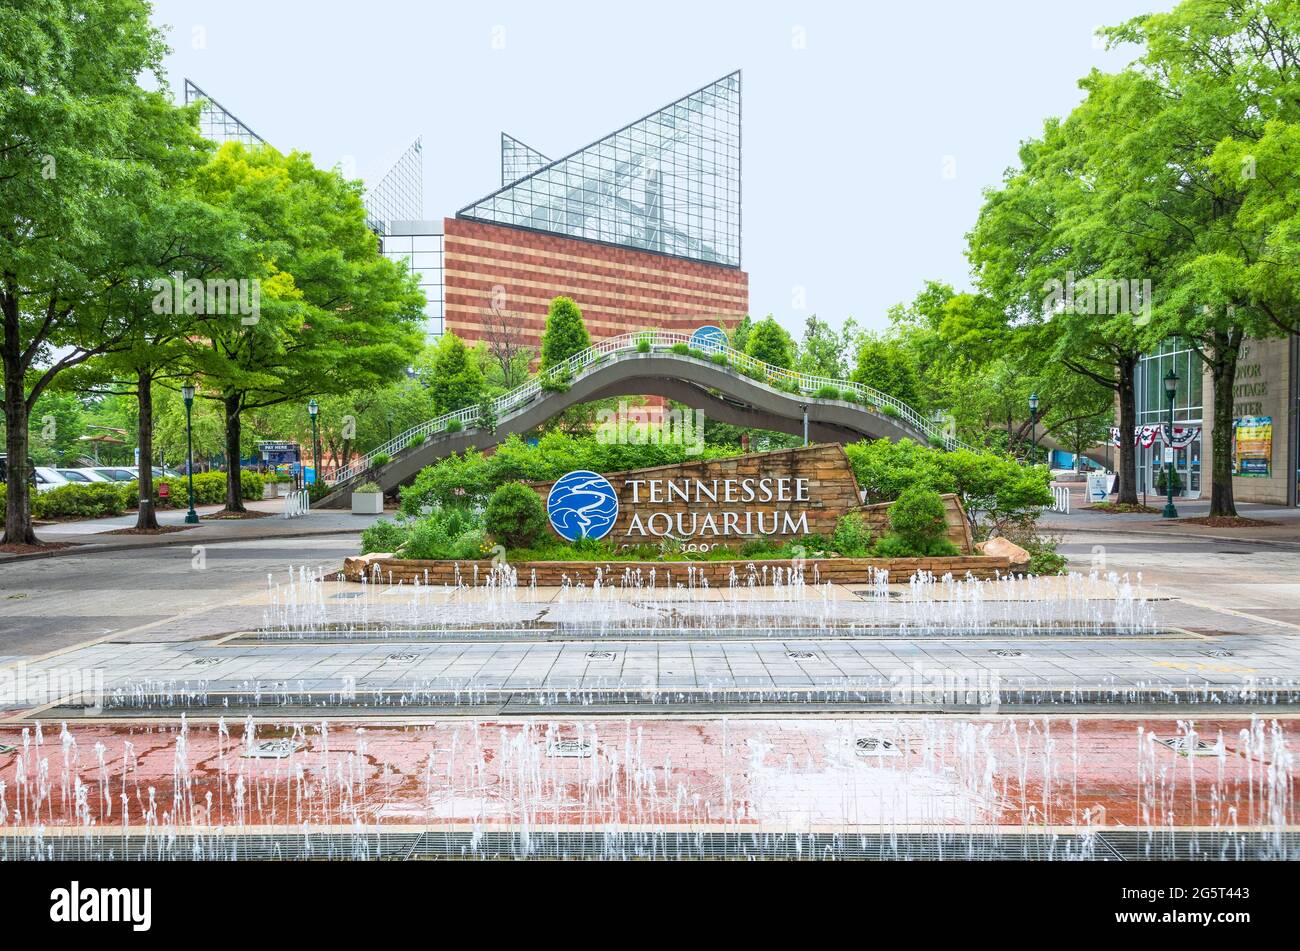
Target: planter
367	503
269	490
671	573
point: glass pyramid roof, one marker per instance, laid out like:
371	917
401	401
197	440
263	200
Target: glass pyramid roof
216	122
669	183
518	160
399	196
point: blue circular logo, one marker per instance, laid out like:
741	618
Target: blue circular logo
582	504
709	338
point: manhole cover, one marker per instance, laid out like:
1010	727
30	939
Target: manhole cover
1182	745
876	746
205	661
801	655
601	655
273	749
569	749
402	657
1006	652
1218	652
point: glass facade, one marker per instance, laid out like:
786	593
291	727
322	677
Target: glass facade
399	196
218	124
518	160
1153	410
419	248
668	183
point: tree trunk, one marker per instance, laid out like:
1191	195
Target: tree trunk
147	517
1126	368
1223	373
234	486
18	513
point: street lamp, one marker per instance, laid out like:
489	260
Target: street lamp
187	394
312	409
1171	391
1033	427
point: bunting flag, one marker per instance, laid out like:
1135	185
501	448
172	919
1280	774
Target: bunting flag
1147	436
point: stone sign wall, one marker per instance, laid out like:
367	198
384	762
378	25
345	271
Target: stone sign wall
783	494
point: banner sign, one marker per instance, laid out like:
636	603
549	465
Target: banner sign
1147	436
1252	447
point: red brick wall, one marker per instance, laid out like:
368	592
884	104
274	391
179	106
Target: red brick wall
618	289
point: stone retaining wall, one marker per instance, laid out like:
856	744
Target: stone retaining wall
718	573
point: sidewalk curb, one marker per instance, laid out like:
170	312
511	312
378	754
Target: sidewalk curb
1159	534
94	549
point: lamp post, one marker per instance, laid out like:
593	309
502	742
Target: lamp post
1033	428
312	409
1171	391
187	394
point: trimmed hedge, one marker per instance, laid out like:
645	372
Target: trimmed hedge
106	499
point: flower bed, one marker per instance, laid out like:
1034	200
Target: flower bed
385	568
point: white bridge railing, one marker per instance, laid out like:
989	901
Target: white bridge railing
660	342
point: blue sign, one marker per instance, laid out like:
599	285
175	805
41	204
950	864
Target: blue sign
709	338
582	504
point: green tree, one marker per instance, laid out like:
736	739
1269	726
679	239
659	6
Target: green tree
887	366
1219	81
85	152
821	351
453	376
768	341
565	333
334	315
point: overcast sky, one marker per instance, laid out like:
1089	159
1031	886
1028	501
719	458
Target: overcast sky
870	129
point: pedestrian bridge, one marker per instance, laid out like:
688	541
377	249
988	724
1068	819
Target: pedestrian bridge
728	385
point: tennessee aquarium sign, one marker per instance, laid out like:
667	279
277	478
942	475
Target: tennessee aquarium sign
585	504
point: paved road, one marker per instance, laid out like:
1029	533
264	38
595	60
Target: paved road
47	604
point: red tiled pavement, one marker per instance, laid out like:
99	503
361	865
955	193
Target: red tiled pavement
777	774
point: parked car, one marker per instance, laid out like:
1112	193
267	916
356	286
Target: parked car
47	477
77	476
110	473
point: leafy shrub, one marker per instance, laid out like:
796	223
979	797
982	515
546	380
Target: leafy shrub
379	460
890	410
470	477
556	381
827	392
720	359
445	533
992	486
643	346
852	535
937	441
370	488
514	515
383	536
415	442
849	396
81	500
896	546
698	354
454	425
681	348
918	516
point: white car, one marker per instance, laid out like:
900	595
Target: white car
108	473
47	477
77	477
